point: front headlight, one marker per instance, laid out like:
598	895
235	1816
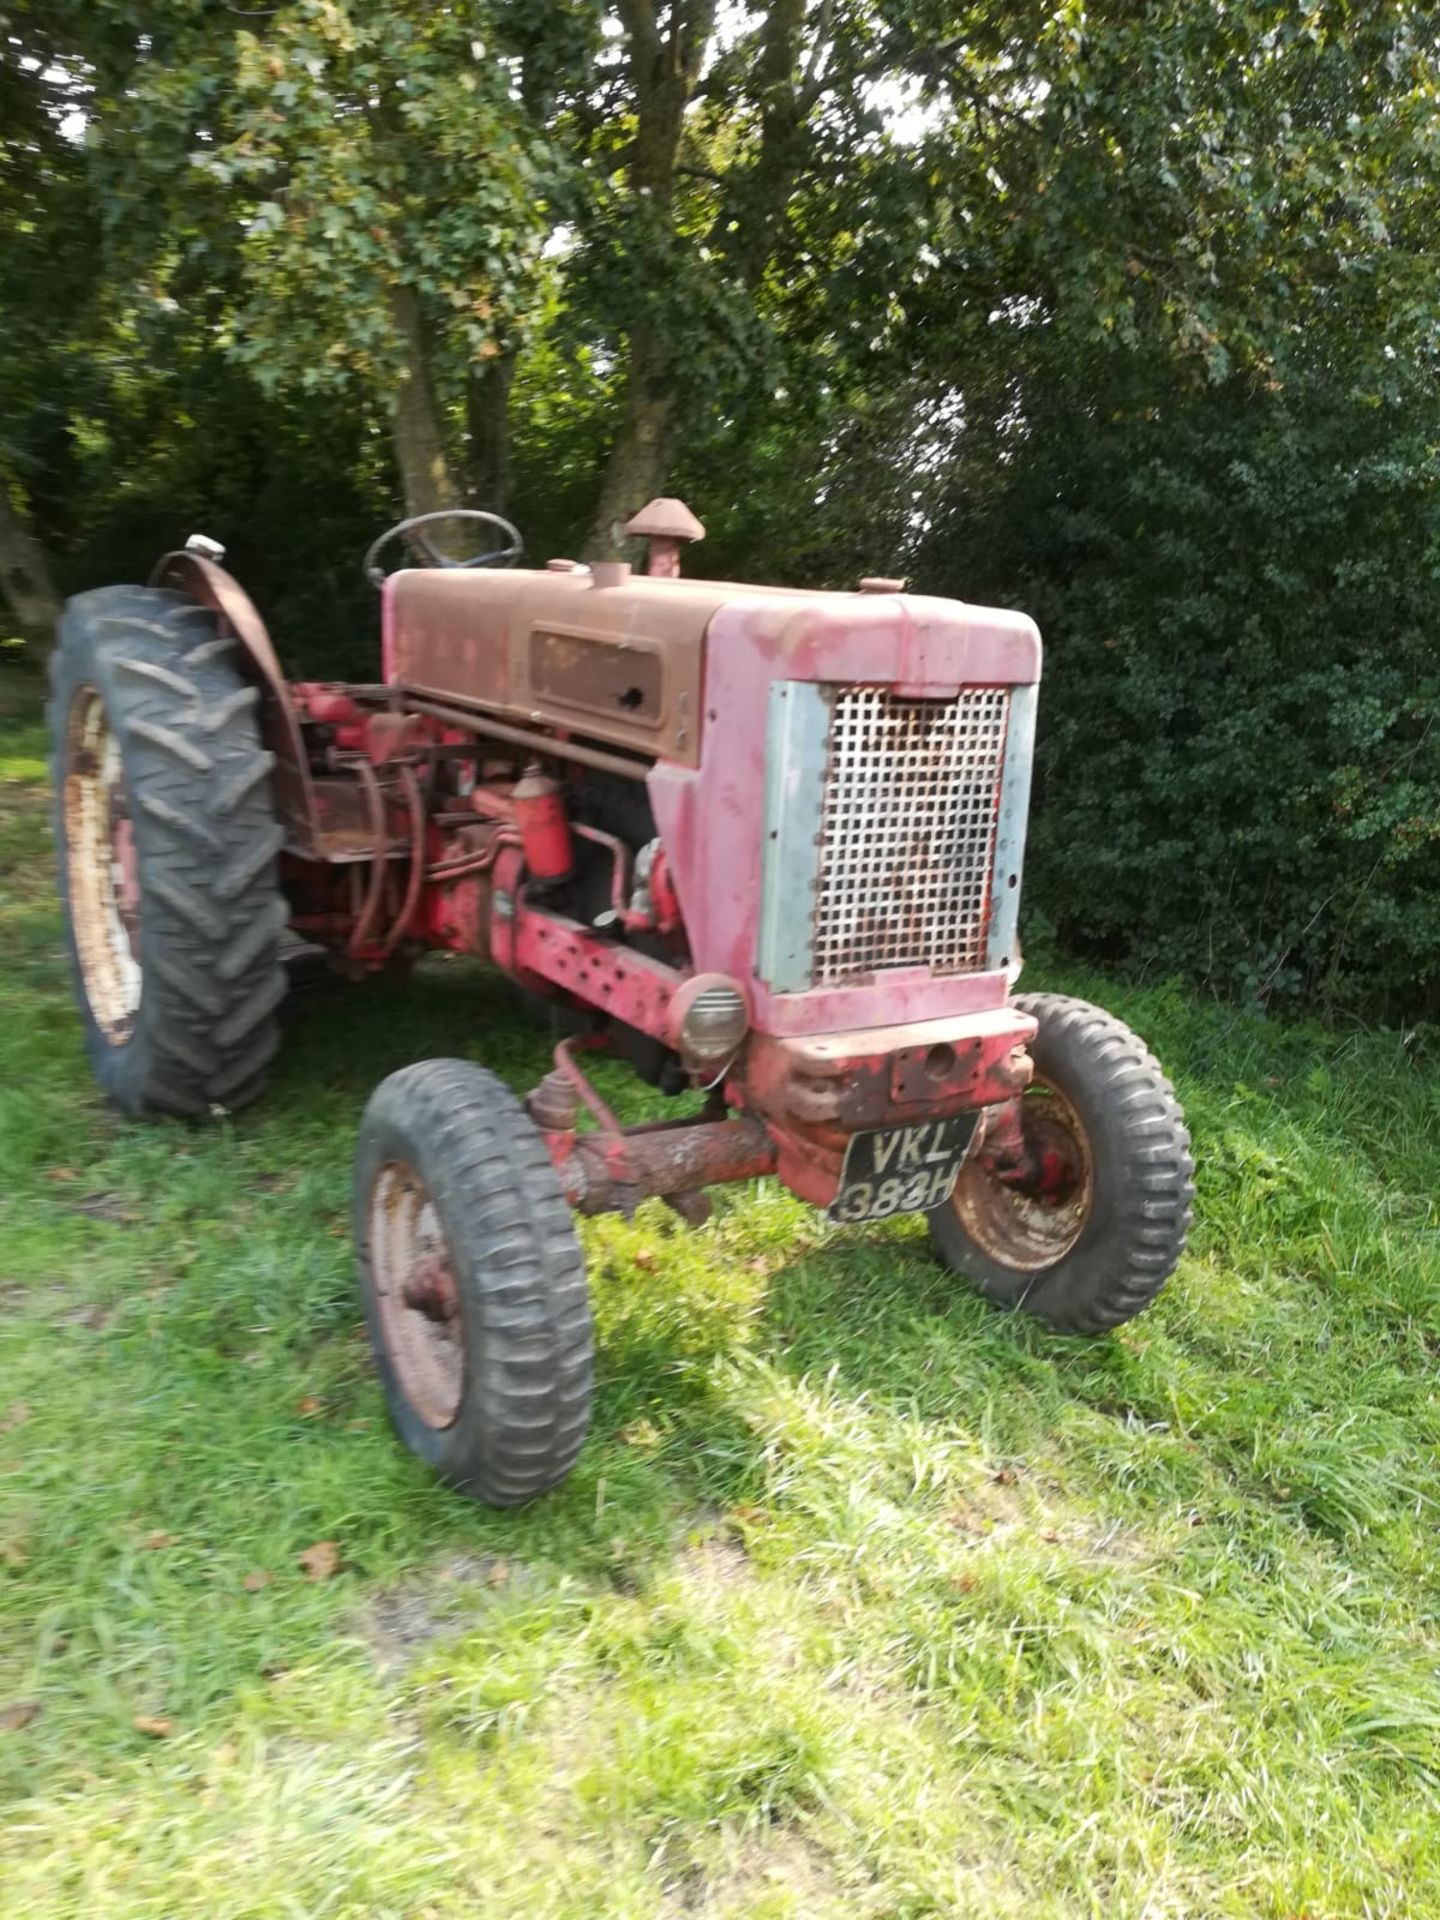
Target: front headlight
710	1017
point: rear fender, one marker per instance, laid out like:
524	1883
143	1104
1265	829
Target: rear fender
291	784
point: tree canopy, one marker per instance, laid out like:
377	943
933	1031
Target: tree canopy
1126	313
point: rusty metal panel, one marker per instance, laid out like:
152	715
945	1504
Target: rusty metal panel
621	663
598	674
625	982
449	634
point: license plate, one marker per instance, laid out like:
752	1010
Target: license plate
902	1169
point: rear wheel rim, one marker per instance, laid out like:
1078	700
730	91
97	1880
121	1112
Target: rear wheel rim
417	1295
1030	1224
102	883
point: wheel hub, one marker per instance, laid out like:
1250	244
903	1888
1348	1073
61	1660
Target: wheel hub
124	873
1028	1208
417	1293
102	870
430	1290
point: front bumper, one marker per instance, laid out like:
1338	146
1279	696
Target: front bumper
814	1093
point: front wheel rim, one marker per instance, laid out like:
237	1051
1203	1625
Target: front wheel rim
417	1295
102	883
1030	1224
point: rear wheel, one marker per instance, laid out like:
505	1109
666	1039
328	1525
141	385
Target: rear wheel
473	1282
1088	1224
166	845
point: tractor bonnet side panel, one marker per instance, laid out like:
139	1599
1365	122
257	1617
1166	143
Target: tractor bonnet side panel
618	663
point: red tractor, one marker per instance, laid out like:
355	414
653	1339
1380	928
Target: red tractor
763	844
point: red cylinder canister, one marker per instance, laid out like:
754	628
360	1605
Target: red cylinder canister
539	804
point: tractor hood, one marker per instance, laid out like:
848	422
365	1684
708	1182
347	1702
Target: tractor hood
621	657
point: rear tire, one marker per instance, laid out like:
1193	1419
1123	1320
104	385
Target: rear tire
1093	1240
473	1282
166	843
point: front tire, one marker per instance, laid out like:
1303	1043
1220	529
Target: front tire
166	843
473	1282
1093	1231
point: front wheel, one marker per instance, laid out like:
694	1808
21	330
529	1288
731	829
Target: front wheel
473	1282
1085	1227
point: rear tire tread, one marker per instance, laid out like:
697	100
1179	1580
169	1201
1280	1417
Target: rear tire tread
211	912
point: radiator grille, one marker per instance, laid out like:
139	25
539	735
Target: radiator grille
907	832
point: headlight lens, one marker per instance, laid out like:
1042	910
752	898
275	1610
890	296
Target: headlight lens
713	1022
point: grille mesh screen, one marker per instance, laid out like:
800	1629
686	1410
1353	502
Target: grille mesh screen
907	833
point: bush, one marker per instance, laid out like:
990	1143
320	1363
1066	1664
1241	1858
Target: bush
1239	772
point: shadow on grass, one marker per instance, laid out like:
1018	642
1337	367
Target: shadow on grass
872	1310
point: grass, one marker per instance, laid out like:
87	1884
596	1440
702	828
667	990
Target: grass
865	1600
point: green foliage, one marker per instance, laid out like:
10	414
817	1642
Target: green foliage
365	149
1125	315
48	289
1239	771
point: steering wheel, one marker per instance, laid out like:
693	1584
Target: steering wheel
413	533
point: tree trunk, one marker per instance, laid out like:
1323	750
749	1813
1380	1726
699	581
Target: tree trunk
750	221
426	481
635	471
25	582
487	415
664	69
